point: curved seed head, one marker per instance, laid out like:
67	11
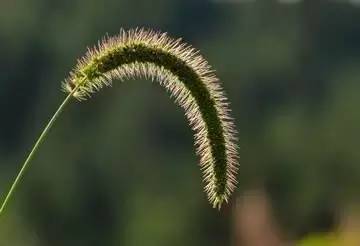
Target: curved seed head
189	80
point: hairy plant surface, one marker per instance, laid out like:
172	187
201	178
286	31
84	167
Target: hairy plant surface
189	80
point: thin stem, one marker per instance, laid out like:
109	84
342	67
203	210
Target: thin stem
35	148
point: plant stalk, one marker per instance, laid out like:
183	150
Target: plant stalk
35	148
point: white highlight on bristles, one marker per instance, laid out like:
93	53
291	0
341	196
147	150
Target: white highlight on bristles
178	91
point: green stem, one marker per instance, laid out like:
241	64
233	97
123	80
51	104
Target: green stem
35	148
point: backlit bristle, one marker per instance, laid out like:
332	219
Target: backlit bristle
190	81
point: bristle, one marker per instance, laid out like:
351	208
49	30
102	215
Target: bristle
111	60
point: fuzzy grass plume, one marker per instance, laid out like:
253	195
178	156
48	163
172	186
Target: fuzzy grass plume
140	53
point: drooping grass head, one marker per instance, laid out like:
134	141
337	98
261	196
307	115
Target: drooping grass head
189	80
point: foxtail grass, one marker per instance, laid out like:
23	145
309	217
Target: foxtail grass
189	79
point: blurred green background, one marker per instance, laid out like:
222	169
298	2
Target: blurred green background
120	169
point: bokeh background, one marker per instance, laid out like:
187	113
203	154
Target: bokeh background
120	169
